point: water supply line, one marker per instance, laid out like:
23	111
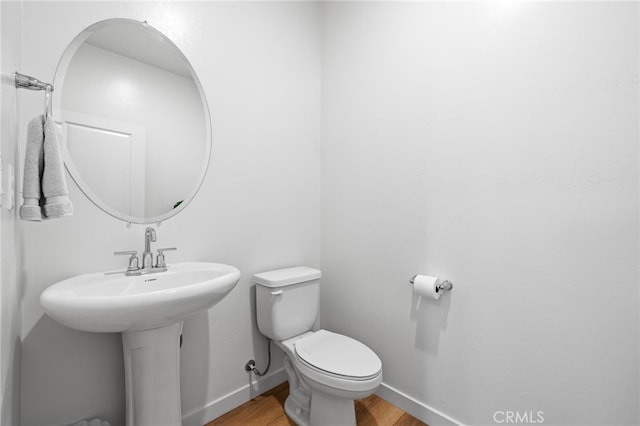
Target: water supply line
251	365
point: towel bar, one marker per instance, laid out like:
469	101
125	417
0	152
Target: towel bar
24	81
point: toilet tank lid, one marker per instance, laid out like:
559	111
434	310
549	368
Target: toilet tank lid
287	276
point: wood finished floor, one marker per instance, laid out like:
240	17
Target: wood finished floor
268	410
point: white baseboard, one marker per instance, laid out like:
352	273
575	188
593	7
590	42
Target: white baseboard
228	402
417	409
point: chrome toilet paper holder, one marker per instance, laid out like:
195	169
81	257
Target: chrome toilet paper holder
445	285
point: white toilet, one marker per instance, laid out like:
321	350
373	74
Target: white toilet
326	371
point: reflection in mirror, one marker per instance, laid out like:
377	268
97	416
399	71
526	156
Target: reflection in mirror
133	119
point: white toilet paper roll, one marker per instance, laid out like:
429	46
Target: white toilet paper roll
427	286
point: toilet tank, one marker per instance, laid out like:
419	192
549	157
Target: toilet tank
287	301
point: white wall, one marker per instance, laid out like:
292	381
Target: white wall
10	56
258	208
496	145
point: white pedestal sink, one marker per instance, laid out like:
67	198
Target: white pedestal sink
148	310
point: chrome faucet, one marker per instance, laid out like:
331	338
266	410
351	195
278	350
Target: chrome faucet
147	256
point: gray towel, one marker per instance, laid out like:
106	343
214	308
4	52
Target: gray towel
54	184
31	209
44	187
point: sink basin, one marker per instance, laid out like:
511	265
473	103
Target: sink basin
148	310
113	302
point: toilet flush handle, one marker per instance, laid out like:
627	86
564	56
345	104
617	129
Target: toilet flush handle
277	292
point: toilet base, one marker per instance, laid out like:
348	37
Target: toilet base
307	407
328	410
296	412
298	402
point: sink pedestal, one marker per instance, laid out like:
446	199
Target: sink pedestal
152	376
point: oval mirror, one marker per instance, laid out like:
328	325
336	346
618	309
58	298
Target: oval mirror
133	120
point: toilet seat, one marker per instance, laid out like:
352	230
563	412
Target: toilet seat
338	356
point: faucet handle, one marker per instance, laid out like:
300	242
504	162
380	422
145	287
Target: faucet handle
160	263
133	260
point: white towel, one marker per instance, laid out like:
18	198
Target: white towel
44	188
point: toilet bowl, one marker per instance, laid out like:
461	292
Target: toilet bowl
326	371
334	370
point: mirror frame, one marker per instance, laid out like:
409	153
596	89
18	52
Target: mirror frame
58	84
